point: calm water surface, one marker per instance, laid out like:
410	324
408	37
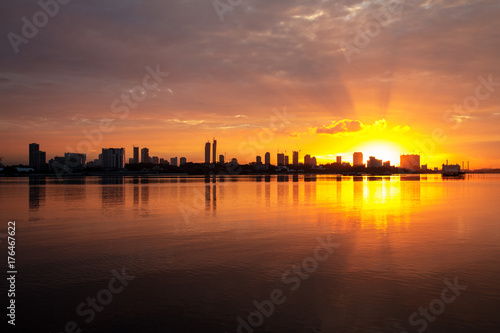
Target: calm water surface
203	251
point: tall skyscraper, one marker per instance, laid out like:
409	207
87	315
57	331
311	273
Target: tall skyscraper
113	158
145	155
295	158
173	161
258	160
287	160
207	152
37	158
182	161
267	158
357	159
221	159
281	159
339	160
136	155
214	152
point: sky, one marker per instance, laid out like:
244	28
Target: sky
322	77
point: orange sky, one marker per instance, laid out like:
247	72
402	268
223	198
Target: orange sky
351	75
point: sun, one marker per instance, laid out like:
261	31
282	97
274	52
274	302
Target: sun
382	149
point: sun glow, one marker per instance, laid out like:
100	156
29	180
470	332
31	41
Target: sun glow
382	150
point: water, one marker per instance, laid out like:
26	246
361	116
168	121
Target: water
204	251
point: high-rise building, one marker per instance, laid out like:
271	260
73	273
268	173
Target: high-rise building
37	157
145	155
357	159
136	155
221	159
214	152
295	158
307	160
314	162
267	158
258	160
287	160
155	160
113	158
410	162
183	161
207	152
339	160
281	159
173	161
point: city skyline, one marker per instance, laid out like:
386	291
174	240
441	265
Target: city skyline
109	159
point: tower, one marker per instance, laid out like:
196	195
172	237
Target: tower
214	152
136	155
207	152
267	158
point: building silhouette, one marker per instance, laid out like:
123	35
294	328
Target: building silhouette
207	152
145	155
221	159
307	160
258	160
135	160
410	162
357	159
214	152
373	163
155	160
267	158
295	158
113	158
281	159
173	161
339	160
37	157
182	161
287	160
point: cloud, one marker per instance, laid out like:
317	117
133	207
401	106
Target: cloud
342	126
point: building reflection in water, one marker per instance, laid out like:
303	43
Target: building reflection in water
310	188
295	191
211	198
267	193
410	189
112	191
37	193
